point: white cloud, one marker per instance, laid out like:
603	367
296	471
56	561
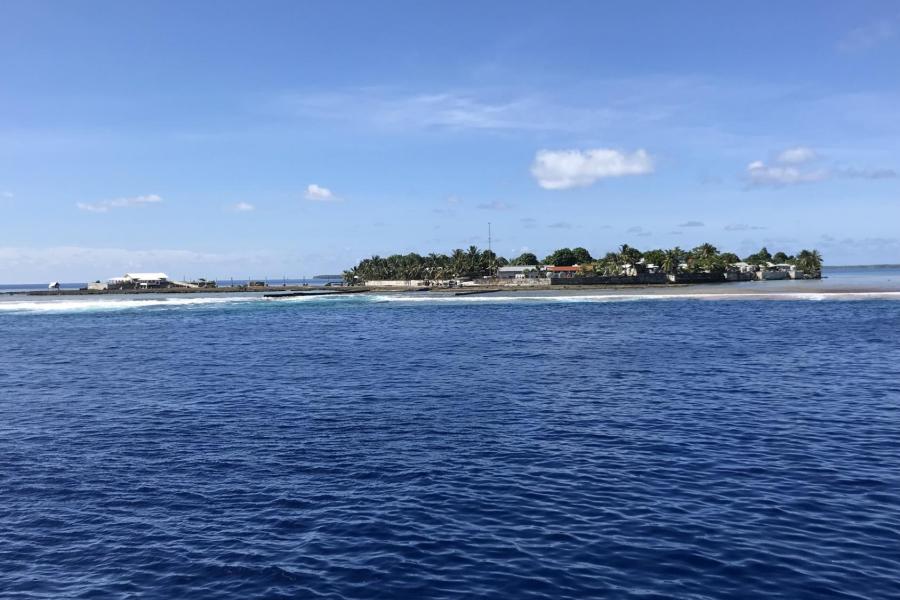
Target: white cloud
243	207
788	169
107	205
317	193
691	224
7	195
563	169
761	174
450	110
791	167
797	155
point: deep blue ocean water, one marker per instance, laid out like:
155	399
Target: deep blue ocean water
481	447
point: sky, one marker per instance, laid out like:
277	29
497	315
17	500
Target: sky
253	139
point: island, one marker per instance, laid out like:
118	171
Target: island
575	266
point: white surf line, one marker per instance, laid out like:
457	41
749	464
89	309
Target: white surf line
84	305
113	304
575	298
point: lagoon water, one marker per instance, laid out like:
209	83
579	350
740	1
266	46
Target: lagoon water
410	447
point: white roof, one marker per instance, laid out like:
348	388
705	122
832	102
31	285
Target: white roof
146	276
517	268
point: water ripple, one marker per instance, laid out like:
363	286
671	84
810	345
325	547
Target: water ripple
363	449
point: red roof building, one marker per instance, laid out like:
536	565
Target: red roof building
562	271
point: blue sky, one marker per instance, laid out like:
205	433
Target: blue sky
294	138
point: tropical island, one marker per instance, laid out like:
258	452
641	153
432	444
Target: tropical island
484	269
576	266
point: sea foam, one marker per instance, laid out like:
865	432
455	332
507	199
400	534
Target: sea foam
92	304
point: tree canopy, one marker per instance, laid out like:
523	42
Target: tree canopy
760	258
475	263
525	259
566	257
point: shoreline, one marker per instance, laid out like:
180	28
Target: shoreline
179	290
771	288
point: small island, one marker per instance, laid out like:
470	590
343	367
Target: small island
576	266
486	271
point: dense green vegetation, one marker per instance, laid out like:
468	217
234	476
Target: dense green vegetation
459	264
475	263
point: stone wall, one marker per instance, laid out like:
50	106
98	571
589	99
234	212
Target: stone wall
698	278
642	279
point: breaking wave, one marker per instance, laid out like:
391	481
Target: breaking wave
73	305
94	304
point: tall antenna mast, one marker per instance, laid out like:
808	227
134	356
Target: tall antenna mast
491	251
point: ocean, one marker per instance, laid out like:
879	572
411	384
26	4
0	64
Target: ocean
500	446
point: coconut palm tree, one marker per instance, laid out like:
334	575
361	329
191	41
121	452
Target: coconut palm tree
815	258
610	264
671	261
810	262
630	256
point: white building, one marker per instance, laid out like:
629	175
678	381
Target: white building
519	272
140	280
401	283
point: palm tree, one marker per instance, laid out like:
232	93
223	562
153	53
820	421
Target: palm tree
815	258
610	263
810	262
458	263
630	256
672	260
706	251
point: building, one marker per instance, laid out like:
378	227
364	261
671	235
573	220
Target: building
743	267
401	283
140	281
519	272
562	272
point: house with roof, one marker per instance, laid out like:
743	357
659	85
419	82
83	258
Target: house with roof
554	272
519	272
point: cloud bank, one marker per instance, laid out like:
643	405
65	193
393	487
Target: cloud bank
564	169
761	174
792	167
